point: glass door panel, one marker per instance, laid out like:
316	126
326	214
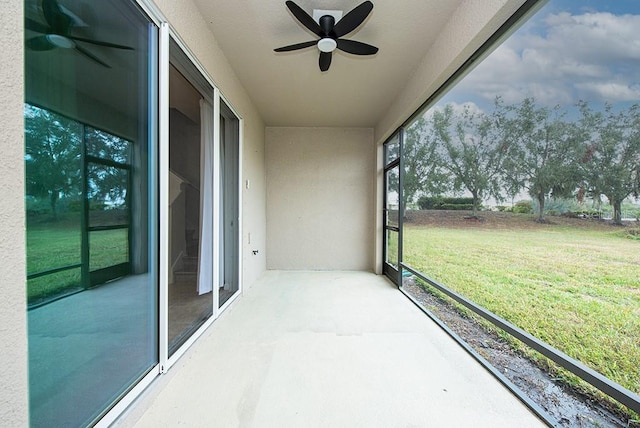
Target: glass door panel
392	201
391	219
190	197
391	253
391	223
229	153
91	199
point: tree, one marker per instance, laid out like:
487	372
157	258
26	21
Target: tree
543	153
423	169
107	183
52	156
475	147
611	154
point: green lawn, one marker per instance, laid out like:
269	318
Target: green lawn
578	289
50	247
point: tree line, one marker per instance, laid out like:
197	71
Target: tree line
524	147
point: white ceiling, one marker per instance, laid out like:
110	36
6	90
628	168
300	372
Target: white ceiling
288	88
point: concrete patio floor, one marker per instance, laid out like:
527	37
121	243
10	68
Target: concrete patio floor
326	349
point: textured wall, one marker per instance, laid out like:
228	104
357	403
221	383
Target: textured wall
13	331
186	21
320	198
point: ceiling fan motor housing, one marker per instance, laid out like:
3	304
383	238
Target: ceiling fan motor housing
327	44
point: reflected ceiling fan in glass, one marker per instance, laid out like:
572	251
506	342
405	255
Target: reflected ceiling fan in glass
330	33
56	33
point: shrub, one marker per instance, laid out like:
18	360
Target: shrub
428	203
445	203
456	207
37	207
633	233
587	213
523	207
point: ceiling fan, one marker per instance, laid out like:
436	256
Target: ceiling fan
330	33
56	33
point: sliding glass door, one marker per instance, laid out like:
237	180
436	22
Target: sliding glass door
104	316
90	196
229	198
191	172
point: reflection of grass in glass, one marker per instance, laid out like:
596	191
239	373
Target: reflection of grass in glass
578	290
52	247
108	248
58	246
53	284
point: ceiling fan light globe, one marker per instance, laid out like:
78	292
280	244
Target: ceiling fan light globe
327	44
61	41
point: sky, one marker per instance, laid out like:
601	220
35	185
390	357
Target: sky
568	51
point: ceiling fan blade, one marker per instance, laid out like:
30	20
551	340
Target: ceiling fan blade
356	48
304	18
91	56
296	46
32	25
325	61
55	17
99	43
40	43
353	19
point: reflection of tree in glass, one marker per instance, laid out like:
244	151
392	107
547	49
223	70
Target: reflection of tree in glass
107	146
108	180
107	186
52	156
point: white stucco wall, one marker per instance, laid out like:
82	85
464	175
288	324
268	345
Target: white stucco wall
320	198
13	328
186	21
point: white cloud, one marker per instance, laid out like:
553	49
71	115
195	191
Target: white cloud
562	58
611	90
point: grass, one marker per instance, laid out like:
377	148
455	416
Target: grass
576	289
53	246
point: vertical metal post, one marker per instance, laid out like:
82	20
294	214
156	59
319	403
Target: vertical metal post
84	218
401	204
217	203
163	187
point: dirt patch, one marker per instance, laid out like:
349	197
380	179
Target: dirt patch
567	406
